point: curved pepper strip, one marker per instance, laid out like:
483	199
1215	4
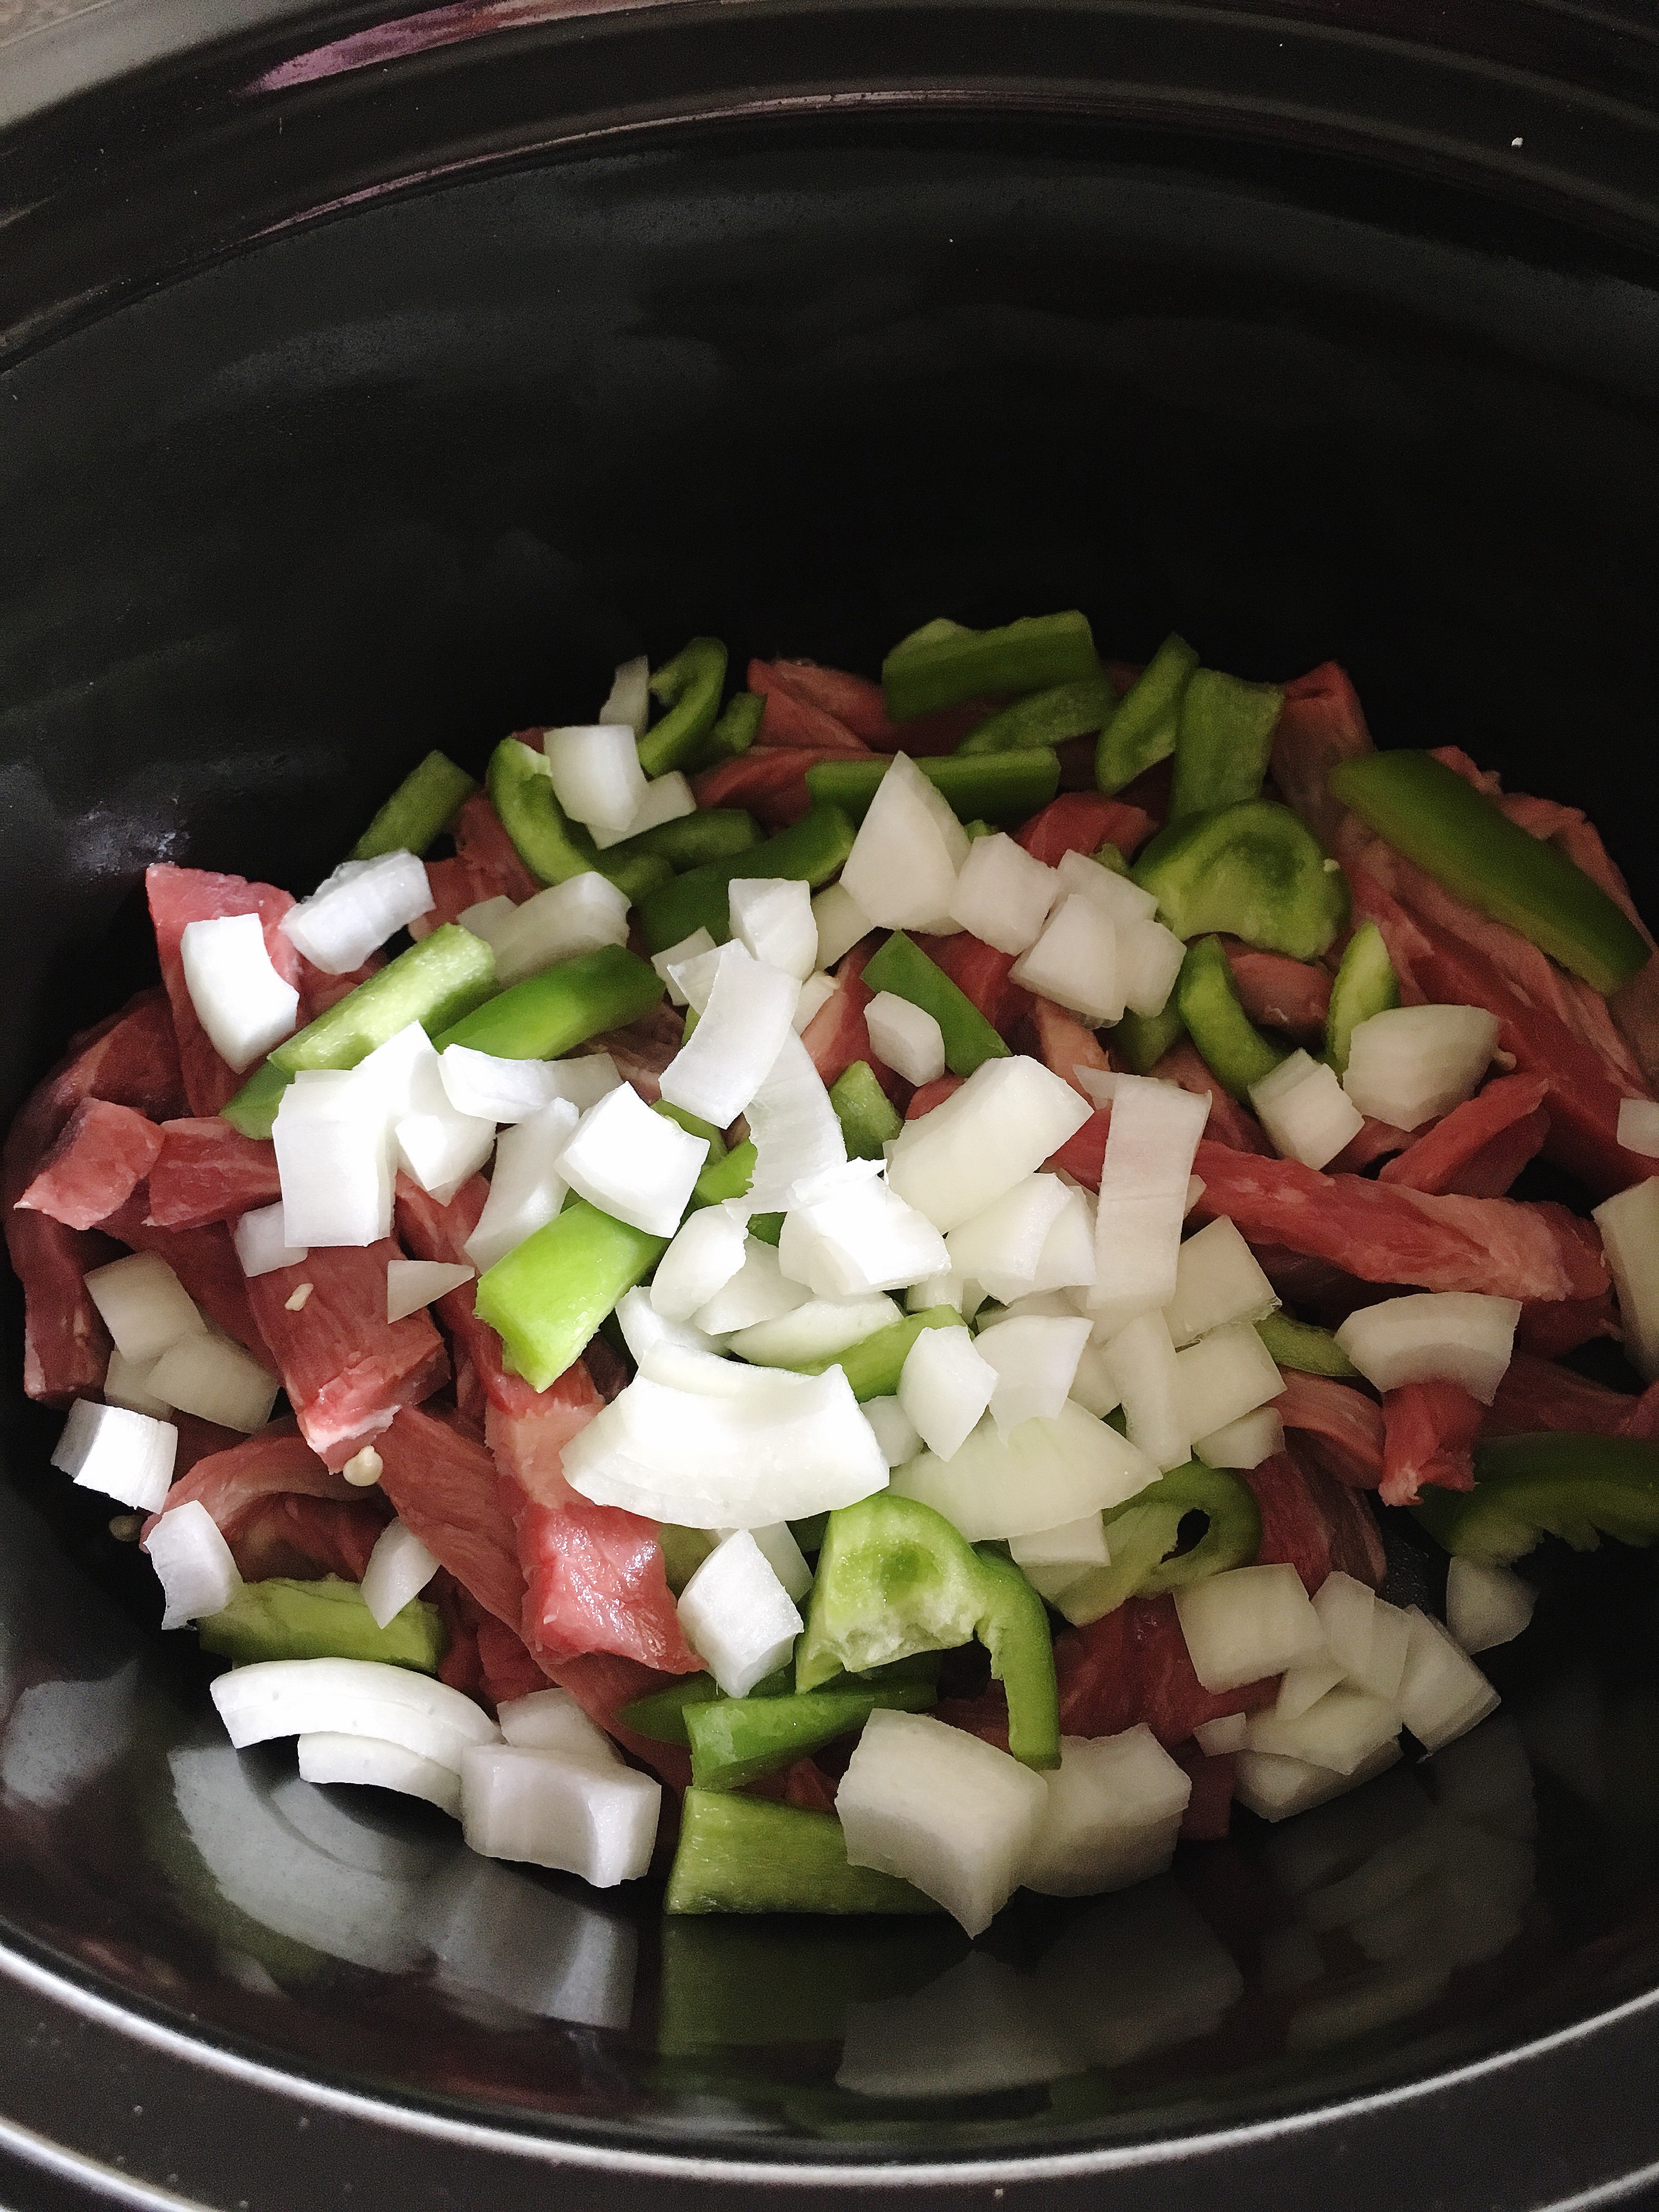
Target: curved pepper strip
551	847
810	851
736	1740
1141	1536
1143	730
424	803
1047	717
1365	984
903	969
689	686
748	1855
1230	1046
1580	1488
937	666
736	729
1223	742
1251	870
1003	787
895	1577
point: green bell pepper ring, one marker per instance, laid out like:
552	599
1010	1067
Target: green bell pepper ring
1228	1043
736	1740
1470	846
1138	1042
1224	742
561	1007
1141	1536
1000	787
903	969
547	1297
689	686
424	804
1580	1488
810	851
1365	984
1310	1351
928	670
279	1618
869	1120
1143	730
1253	871
551	847
1047	717
895	1577
748	1855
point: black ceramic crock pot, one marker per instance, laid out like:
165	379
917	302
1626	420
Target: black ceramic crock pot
367	385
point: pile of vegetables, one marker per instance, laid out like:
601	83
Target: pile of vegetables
854	1271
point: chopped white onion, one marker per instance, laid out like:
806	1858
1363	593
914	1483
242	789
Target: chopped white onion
142	1305
667	799
772	919
1074	962
1462	1336
1148	1159
577	915
947	1290
126	1383
796	1133
487	1088
909	848
853	1235
944	1388
1113	1812
527	1187
1042	1475
1093	1386
1411	1063
217	1379
643	1328
632	1164
1008	1118
744	1024
817	1330
349	1697
1344	1729
1143	1365
737	1615
261	1244
399	1568
353	912
1628	1223
1036	1363
815	994
441	1150
585	1077
333	1160
398	1077
596	773
552	1720
841	922
629	699
1244	1442
906	1036
893	1428
1226	1375
490	919
125	1456
1148	958
1055	1560
1443	1693
197	1574
1486	1605
1638	1126
678	955
758	1293
547	1809
1217	1279
1119	896
783	1555
1067	1261
1247	1623
1003	1247
945	1812
239	998
1003	895
1216	1739
705	1253
1274	1787
1304	1110
325	1756
1366	1636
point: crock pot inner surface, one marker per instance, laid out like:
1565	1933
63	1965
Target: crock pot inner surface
421	474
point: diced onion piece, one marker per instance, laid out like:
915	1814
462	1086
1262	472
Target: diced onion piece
737	1615
1462	1336
1148	958
815	994
1071	1549
1003	895
398	1077
545	1808
667	799
325	1756
741	1031
817	1330
706	1251
349	1697
854	1235
585	1078
1411	1063
353	912
1142	1364
629	699
490	919
261	1244
1638	1126
951	1814
1008	1118
1036	1363
1003	1247
947	1290
796	1131
579	915
944	1388
1366	1636
909	848
707	1374
489	1088
215	1380
1113	1812
906	1036
841	922
441	1151
783	1555
681	955
197	1574
1245	1443
1342	1730
1304	1110
1067	1261
1443	1693
142	1305
1217	1279
239	998
1486	1605
527	1187
596	772
1040	1476
643	1326
895	1432
552	1720
1246	1624
1226	1375
125	1456
790	1446
333	1160
1154	1133
1093	1386
1115	895
1074	962
1216	1739
126	1383
758	1292
1628	1223
772	919
632	1164
1274	1787
399	1568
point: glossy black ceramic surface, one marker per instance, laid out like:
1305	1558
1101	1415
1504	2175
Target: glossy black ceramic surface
802	372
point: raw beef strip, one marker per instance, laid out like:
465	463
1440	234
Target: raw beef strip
447	1490
1132	1665
1279	993
101	1156
1342	1426
179	897
1081	822
1314	1523
1320	725
208	1172
1429	1429
1480	1147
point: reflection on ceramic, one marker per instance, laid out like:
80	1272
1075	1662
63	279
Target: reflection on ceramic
62	1735
535	1950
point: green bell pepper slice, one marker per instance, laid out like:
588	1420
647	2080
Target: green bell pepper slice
903	968
280	1619
547	1297
734	734
1470	846
689	686
1300	1345
1580	1488
1047	717
693	841
1228	1043
424	804
810	851
1000	787
873	1364
894	1577
736	1740
561	1007
1253	871
748	1855
1223	742
551	846
727	1177
1143	730
935	668
1141	1537
1138	1042
869	1120
1365	984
